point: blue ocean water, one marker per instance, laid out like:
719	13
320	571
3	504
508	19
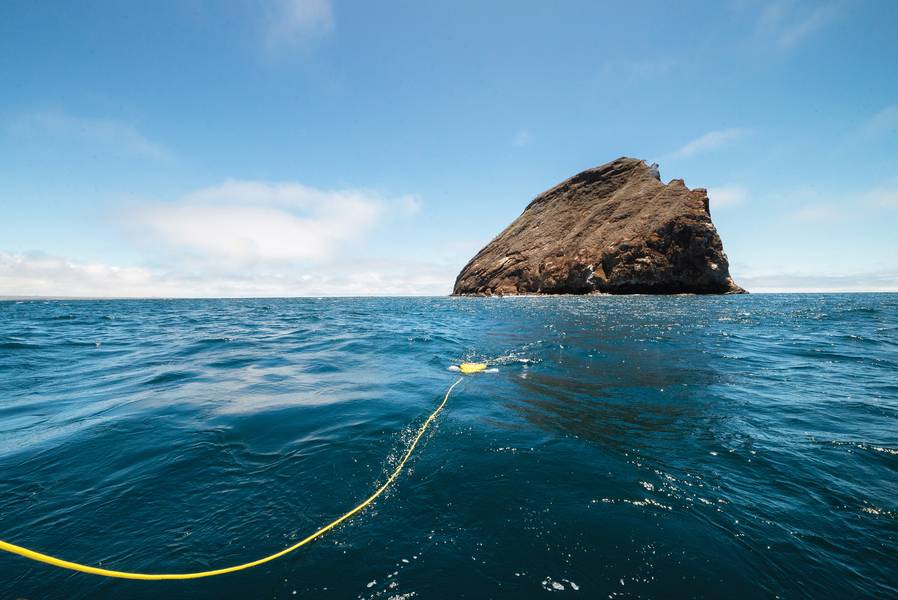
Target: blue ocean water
627	447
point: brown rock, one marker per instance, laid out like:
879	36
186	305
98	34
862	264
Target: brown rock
613	229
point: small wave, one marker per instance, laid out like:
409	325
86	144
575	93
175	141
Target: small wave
504	360
879	512
18	346
213	341
204	344
860	310
234	362
80	343
171	377
867	447
646	502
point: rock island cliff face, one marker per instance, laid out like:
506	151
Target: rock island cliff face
614	229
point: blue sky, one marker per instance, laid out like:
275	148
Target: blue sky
291	147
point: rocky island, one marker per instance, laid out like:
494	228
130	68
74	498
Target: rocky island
614	229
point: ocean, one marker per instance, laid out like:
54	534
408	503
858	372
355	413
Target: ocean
625	447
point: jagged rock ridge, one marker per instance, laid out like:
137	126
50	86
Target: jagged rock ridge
613	229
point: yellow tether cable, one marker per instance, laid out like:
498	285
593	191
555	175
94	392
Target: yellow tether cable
65	564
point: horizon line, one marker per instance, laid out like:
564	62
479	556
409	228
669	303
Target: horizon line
31	298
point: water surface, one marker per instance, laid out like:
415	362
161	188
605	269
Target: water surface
648	447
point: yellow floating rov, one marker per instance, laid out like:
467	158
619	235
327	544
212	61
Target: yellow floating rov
468	367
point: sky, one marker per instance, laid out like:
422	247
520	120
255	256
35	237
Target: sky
327	147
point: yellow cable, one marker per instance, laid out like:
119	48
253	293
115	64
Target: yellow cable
65	564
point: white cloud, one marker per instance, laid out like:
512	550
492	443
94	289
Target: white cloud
873	281
789	26
246	221
245	238
807	203
883	122
710	141
522	138
22	275
884	197
114	133
815	212
290	22
727	195
39	275
409	205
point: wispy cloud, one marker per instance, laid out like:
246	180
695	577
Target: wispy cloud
883	122
630	70
807	203
815	212
113	133
710	141
789	25
41	275
727	195
522	138
37	275
291	22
